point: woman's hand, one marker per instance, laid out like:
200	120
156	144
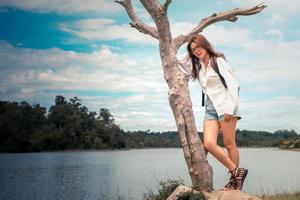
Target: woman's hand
227	116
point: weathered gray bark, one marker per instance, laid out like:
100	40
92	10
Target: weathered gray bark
179	97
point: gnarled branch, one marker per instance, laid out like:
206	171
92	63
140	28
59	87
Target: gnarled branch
136	22
223	16
166	5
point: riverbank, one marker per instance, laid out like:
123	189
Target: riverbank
295	149
282	196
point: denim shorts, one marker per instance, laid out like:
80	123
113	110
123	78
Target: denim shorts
211	113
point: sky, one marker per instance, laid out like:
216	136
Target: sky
87	49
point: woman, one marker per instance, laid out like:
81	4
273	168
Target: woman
221	88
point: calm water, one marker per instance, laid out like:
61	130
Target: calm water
105	174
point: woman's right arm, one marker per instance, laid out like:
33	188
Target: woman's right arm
185	65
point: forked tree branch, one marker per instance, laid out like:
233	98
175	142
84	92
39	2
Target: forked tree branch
135	21
230	15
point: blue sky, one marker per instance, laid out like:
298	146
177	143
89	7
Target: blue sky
88	49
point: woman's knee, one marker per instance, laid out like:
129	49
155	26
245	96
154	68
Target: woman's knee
230	146
208	145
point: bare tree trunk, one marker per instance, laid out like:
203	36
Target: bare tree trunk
179	97
199	169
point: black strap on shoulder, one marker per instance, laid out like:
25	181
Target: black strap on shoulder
216	68
202	98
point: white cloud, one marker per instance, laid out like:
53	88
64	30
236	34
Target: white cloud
178	28
276	20
64	6
272	114
60	69
139	112
278	12
232	37
216	34
274	61
106	29
275	33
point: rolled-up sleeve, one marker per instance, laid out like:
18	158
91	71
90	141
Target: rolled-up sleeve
185	65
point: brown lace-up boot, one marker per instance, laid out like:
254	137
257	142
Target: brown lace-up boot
236	180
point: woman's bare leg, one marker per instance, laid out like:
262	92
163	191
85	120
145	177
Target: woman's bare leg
211	129
229	133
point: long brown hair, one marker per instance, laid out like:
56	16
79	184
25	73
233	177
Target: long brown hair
201	41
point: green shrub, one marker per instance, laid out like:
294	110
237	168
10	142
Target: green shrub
190	196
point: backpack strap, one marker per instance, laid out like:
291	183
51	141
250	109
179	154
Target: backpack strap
216	68
203	98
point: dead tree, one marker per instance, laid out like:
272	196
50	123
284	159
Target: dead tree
179	97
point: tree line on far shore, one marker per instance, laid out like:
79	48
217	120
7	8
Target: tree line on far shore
68	125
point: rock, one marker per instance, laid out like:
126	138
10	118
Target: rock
180	190
214	195
229	195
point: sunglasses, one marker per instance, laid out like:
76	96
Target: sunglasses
195	48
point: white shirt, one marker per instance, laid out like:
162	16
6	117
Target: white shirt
225	100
